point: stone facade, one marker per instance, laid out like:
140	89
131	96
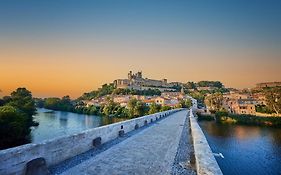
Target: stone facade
268	84
237	103
205	161
136	81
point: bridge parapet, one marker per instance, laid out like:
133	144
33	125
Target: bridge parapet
205	160
54	151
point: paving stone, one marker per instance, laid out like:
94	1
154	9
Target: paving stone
151	151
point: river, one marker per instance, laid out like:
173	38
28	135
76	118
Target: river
54	124
246	149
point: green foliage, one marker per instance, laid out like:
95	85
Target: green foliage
197	95
273	99
187	103
184	103
2	102
16	113
6	99
136	108
214	102
110	108
104	90
263	109
22	100
248	119
165	108
63	104
217	84
190	85
154	108
206	117
39	102
14	127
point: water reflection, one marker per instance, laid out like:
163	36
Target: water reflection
247	149
54	124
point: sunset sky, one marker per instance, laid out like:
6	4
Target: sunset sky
67	47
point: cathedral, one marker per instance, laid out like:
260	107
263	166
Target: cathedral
136	81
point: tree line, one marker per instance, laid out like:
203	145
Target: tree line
16	113
108	89
135	108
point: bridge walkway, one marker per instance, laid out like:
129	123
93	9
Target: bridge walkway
157	149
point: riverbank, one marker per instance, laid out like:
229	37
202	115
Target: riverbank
223	117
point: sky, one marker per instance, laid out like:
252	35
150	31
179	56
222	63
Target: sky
68	47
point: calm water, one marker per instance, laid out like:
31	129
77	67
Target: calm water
57	123
247	149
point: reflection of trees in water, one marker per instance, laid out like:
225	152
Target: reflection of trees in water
216	129
63	121
275	135
63	115
50	116
241	131
226	130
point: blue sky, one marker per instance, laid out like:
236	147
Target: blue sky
257	22
239	41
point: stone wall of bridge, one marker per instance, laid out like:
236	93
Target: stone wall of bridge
14	160
205	161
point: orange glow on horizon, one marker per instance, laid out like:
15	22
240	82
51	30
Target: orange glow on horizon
73	71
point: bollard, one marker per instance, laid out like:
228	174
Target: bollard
121	133
37	166
136	126
97	142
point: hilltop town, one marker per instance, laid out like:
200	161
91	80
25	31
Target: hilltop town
122	95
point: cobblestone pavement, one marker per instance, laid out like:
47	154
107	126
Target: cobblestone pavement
183	165
151	151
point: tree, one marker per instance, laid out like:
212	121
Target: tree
14	127
273	99
6	99
52	103
140	109
39	102
110	108
16	118
66	104
22	100
131	107
154	108
2	102
136	108
165	108
197	95
214	102
188	103
190	85
63	104
217	84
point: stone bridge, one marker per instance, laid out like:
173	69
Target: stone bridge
169	142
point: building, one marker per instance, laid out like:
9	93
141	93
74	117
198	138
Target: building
260	98
238	103
136	81
207	88
162	101
244	106
268	84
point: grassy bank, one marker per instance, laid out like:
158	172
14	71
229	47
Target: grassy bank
205	117
223	117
